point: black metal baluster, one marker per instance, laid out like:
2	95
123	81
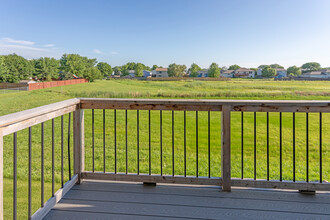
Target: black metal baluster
62	143
93	140
172	143
103	140
307	149
209	142
30	174
185	143
138	140
242	145
281	147
321	147
268	146
196	143
53	157
294	145
115	125
255	145
126	171
42	164
149	145
69	151
161	142
15	178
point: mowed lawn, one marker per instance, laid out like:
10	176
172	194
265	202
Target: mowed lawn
234	89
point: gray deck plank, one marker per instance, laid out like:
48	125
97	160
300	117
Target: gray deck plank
60	214
207	191
176	211
194	201
109	200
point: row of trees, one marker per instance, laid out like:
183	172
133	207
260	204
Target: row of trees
14	68
269	70
176	70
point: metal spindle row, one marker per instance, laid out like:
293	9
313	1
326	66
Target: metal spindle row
42	182
150	141
281	146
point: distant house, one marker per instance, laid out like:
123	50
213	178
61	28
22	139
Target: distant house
147	73
227	73
280	72
322	74
244	73
202	73
131	73
160	72
259	72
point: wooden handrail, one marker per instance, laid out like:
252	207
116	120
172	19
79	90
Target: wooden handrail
207	105
35	112
17	121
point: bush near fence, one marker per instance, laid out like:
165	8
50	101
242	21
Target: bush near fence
43	85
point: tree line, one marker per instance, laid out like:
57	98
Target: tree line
14	68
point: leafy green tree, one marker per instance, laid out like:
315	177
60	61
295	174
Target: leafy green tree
194	68
214	70
154	67
175	70
311	66
294	71
75	64
117	70
15	68
139	70
92	73
3	69
262	66
104	68
124	70
268	72
278	66
234	67
46	68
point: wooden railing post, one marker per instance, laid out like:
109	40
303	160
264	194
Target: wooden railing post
78	142
225	148
1	175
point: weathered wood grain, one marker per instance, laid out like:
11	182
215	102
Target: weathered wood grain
311	186
78	141
11	128
207	105
225	148
32	113
151	178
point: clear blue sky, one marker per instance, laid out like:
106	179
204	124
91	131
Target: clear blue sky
243	32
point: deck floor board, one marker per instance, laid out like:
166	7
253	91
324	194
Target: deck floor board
113	200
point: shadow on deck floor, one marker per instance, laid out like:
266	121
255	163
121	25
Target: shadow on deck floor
117	200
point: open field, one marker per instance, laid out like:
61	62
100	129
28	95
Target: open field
234	89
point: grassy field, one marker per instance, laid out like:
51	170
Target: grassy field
234	89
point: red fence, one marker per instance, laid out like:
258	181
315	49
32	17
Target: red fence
43	85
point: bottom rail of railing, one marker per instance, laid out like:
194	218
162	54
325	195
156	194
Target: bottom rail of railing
259	183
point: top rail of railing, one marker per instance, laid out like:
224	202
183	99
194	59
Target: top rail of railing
207	105
17	121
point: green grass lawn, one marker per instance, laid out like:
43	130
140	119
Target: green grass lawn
234	89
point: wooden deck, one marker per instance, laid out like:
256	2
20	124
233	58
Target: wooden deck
122	200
